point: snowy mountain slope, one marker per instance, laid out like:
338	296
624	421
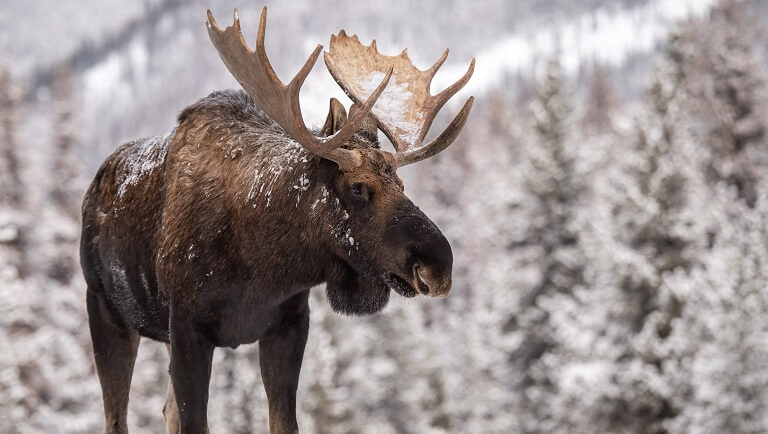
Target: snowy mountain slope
176	50
608	35
42	33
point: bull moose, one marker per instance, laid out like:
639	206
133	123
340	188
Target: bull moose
213	234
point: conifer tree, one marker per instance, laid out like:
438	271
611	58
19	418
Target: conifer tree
726	77
67	184
601	101
60	233
716	355
12	232
554	189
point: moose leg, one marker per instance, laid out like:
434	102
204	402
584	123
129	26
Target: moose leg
170	409
114	350
191	356
280	354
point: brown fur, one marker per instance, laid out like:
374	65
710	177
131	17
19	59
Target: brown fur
213	236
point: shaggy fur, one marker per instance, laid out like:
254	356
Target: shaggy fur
213	235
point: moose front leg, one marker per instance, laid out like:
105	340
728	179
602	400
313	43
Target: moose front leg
280	355
190	368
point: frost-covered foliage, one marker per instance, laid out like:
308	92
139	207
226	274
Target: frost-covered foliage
722	69
610	257
552	189
719	342
12	231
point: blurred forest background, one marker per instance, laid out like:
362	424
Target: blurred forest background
606	203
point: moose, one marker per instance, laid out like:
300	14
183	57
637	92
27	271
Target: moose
213	234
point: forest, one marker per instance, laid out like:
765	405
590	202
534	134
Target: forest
609	223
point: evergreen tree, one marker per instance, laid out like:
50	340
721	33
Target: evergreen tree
554	189
10	176
718	352
61	231
726	77
645	221
67	185
601	101
12	232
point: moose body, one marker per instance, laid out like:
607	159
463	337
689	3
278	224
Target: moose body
164	212
212	236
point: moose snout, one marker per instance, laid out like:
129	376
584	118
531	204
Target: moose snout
432	266
424	251
430	282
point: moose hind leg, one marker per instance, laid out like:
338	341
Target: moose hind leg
114	350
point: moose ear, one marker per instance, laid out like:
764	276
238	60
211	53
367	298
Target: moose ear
337	117
369	127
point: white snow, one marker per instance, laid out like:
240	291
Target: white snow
8	232
149	154
392	106
301	186
606	35
289	159
322	199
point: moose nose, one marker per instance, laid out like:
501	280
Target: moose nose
432	266
425	248
430	282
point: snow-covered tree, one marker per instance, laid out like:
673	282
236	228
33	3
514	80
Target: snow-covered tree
645	220
601	102
12	231
553	190
66	189
10	176
67	183
718	347
726	77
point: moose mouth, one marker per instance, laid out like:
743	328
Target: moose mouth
400	285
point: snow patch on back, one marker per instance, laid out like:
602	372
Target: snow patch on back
145	156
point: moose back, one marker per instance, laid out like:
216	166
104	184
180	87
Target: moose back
212	235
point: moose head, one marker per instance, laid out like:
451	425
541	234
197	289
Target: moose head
395	246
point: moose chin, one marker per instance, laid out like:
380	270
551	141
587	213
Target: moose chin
213	234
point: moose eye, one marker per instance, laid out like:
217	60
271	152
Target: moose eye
358	189
360	193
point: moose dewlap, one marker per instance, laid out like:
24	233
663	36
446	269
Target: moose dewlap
213	234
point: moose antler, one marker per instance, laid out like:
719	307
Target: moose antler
281	102
407	109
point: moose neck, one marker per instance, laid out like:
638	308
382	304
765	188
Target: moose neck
271	201
286	205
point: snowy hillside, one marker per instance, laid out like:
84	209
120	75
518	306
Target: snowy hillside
608	35
125	91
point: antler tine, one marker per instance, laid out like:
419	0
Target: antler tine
408	108
451	90
441	142
254	72
438	63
